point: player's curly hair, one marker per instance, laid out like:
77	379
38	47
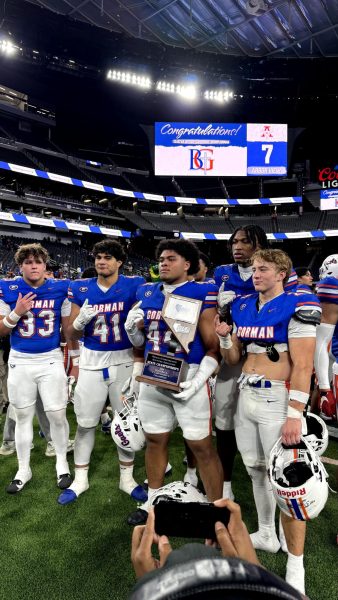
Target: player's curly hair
27	250
111	247
184	248
280	259
255	234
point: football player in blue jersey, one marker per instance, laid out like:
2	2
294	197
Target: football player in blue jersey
204	266
235	278
305	280
32	309
278	332
159	408
99	309
327	292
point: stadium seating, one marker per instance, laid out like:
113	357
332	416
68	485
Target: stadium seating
8	154
35	137
306	222
331	220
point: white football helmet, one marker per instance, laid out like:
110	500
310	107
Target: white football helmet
329	267
317	435
178	491
299	481
126	428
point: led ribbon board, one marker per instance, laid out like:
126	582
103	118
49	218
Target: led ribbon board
220	149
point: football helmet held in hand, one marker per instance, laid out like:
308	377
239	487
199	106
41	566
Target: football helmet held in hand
299	480
126	428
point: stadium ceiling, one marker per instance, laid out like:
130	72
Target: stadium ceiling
243	28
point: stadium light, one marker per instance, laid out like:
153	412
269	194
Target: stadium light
7	47
130	78
219	96
87	200
103	200
186	91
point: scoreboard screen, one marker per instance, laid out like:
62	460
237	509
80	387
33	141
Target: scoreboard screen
329	199
220	149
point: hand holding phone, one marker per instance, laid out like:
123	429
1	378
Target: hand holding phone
233	537
189	519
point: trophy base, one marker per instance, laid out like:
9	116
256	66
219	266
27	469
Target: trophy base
162	384
163	371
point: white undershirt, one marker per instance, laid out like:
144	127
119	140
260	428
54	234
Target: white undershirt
245	272
168	288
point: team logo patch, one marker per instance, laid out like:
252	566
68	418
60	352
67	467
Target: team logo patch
83	289
225	277
13	287
242	307
148	293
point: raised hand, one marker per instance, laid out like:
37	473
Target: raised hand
24	303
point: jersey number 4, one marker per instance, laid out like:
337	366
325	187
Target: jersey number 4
158	338
101	328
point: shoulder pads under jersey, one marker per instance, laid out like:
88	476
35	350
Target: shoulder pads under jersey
305	314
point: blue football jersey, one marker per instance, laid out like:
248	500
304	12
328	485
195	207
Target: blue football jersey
157	333
38	330
230	276
303	289
327	290
105	332
270	324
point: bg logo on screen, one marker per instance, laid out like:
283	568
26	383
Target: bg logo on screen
201	160
328	177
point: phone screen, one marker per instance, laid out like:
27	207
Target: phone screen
190	519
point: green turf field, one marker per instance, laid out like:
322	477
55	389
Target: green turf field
81	551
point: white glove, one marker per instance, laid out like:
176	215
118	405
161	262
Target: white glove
207	367
225	298
131	386
87	312
135	316
247	379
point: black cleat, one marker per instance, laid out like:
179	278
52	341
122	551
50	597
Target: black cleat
17	484
138	517
64	481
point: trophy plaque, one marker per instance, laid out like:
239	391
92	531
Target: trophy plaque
166	370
